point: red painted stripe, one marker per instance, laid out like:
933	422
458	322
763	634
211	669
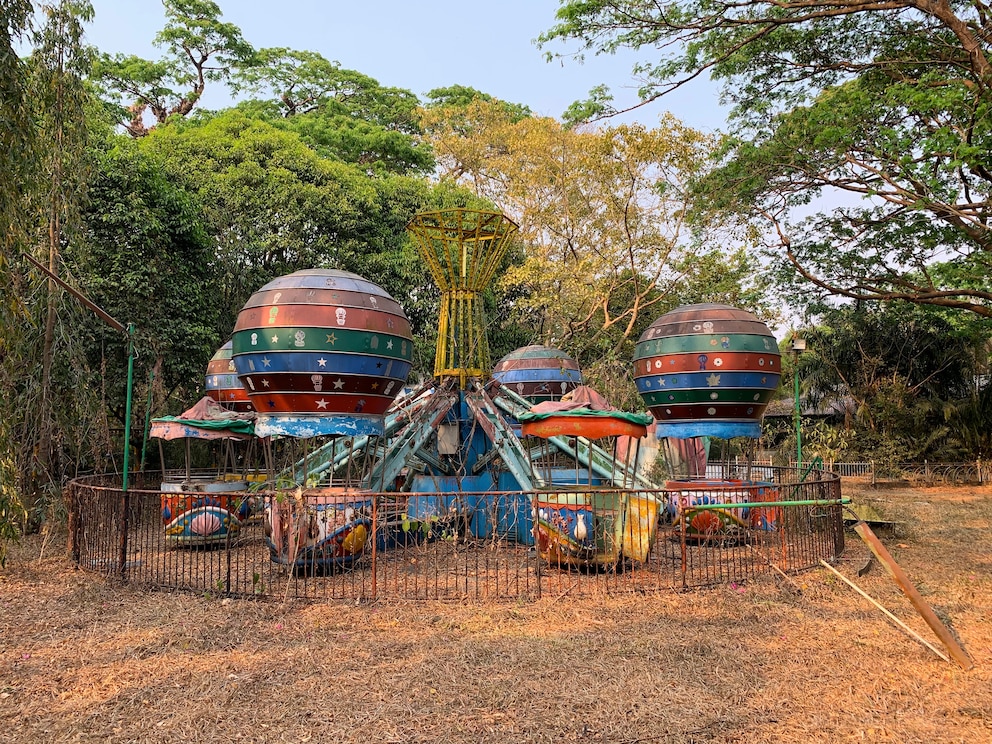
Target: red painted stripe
322	316
304	382
708	411
716	361
317	296
536	363
323	403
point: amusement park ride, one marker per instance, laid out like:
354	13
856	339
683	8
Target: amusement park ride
323	357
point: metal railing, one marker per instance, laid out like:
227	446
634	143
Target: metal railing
474	546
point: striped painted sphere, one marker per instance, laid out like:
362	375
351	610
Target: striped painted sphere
222	383
707	370
322	352
538	373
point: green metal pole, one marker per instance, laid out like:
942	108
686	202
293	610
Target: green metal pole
127	407
799	433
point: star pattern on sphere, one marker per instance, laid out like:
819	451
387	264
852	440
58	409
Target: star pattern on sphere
266	361
272	403
321	362
338	384
389	344
321	403
713	380
275	339
661	382
375	385
265	383
332	339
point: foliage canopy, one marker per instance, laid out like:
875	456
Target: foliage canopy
879	110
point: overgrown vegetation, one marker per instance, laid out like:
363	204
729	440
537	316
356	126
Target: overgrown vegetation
169	217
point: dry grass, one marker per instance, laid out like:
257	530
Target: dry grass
84	661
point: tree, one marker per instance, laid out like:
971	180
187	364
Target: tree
341	113
904	369
17	170
273	205
882	108
145	233
199	49
456	97
602	214
59	63
46	92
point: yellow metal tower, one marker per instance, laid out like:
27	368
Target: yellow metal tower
462	248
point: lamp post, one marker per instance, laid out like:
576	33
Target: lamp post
798	347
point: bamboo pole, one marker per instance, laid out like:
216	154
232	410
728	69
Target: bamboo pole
888	614
903	582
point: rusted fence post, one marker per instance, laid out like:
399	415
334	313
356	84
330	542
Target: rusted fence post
125	521
75	523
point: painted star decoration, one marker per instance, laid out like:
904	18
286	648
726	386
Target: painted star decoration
713	380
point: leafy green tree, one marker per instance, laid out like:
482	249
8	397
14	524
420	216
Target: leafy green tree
37	421
455	97
904	370
343	114
199	48
881	110
58	63
17	170
970	422
145	235
273	205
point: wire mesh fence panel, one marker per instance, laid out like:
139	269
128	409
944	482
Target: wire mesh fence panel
458	546
947	472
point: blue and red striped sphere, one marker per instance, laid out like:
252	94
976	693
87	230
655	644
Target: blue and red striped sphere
222	383
322	352
707	370
538	373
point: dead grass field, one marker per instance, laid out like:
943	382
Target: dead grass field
85	661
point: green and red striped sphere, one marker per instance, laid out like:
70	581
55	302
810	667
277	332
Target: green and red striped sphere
222	383
707	370
538	373
322	352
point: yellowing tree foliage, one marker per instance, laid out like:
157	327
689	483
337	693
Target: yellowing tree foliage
601	210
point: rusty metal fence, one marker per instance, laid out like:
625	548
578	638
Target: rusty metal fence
484	551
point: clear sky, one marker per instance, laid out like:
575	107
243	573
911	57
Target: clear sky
419	46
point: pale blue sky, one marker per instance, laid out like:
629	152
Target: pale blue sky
419	46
